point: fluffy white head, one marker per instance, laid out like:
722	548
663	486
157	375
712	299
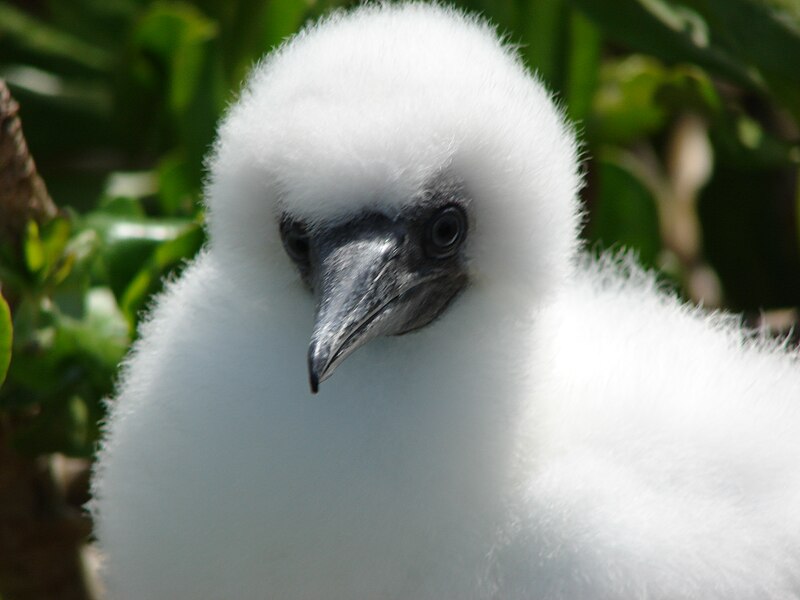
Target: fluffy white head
366	110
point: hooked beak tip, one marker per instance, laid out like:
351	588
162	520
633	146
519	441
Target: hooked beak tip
317	367
313	380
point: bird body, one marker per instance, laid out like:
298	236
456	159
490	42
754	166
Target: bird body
550	425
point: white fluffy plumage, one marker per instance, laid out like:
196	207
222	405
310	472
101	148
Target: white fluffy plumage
564	430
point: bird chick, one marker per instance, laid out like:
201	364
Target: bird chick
393	197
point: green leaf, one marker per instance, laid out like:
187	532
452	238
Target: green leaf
33	247
282	19
56	355
126	190
62	425
24	33
55	235
625	213
69	294
128	243
637	95
744	142
101	22
90	97
673	33
178	33
543	26
754	43
184	42
6	338
178	190
28	323
584	66
624	106
766	37
167	257
103	333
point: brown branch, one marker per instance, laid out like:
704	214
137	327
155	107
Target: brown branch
41	535
23	194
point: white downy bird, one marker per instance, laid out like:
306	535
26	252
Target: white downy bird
555	426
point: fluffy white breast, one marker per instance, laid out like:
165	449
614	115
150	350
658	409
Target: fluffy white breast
222	476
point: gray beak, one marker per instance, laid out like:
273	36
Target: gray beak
371	279
360	275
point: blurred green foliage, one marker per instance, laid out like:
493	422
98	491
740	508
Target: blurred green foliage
6	336
688	112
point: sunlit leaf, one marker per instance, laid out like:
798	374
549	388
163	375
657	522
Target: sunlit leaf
70	293
166	257
128	243
34	249
624	106
125	190
63	269
103	333
56	356
6	338
637	95
55	235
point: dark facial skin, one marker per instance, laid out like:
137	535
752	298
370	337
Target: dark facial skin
376	276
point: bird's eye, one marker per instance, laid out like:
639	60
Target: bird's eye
296	242
445	232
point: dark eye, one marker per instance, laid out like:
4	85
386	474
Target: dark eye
296	242
445	232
